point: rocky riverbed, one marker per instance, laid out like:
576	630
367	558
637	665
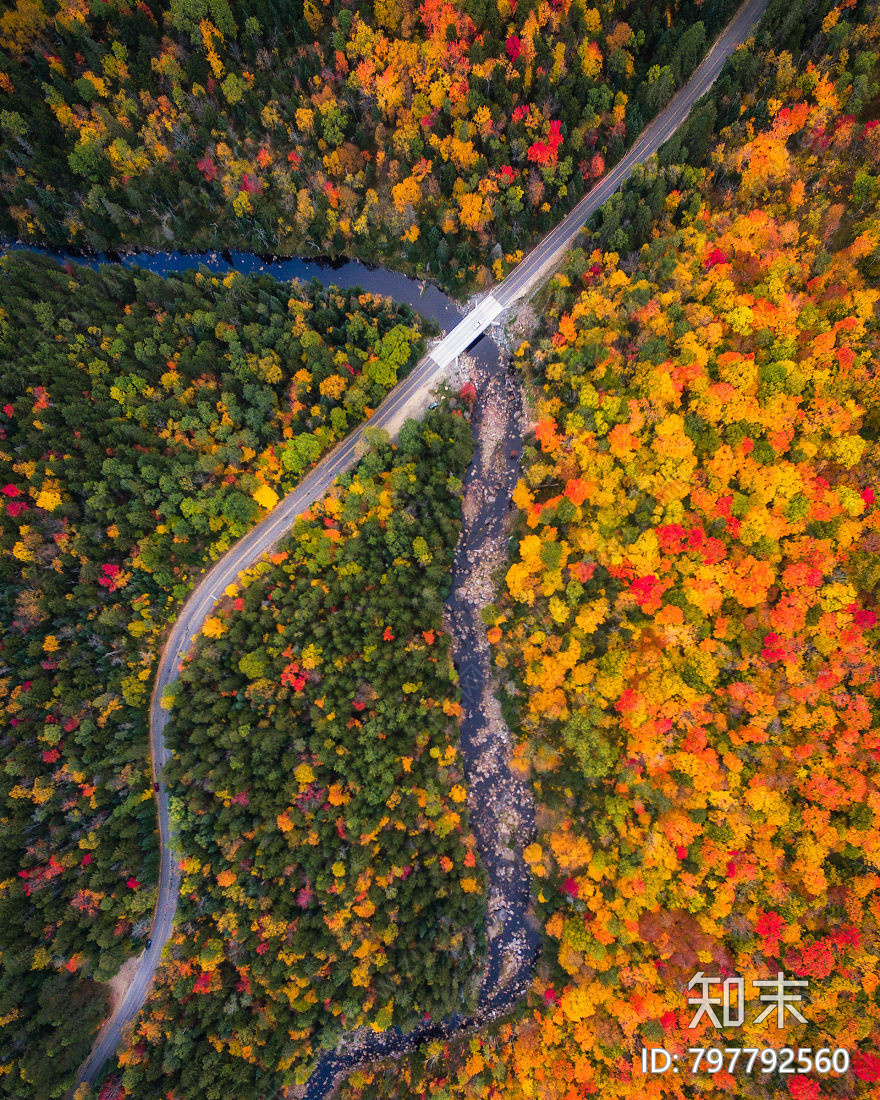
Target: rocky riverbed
500	804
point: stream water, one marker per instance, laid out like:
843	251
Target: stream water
501	809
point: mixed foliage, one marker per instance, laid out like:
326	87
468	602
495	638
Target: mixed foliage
144	425
330	880
439	135
789	34
690	625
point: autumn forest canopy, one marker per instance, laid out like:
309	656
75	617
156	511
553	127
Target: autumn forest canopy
330	879
145	424
687	632
436	136
684	630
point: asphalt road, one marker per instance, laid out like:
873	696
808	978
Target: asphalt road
409	395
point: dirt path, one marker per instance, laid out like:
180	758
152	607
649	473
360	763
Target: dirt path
121	981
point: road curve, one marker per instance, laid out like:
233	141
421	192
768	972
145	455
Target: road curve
407	398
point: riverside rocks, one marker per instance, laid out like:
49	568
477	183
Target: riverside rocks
500	805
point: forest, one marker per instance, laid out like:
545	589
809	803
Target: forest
687	638
441	137
330	879
686	635
145	423
741	97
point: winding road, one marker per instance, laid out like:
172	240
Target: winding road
408	398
